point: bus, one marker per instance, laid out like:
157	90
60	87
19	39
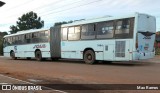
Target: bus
29	44
124	38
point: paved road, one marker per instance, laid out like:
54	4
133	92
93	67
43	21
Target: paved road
73	72
11	82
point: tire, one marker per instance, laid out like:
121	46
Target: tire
13	55
54	59
38	56
28	58
89	57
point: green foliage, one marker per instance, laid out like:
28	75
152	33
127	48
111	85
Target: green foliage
157	51
3	33
27	21
1	41
14	29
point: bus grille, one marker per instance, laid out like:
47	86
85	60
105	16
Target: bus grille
120	49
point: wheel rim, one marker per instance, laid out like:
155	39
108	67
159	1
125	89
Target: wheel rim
38	56
12	55
89	57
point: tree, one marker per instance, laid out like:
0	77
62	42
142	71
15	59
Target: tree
27	21
3	33
14	29
1	41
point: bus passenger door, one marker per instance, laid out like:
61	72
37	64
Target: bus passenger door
108	52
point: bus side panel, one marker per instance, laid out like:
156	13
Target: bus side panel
6	51
46	54
104	49
75	49
28	50
43	47
20	50
132	45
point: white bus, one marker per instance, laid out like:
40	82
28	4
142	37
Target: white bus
125	38
29	44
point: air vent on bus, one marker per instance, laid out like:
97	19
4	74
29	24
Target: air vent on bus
120	48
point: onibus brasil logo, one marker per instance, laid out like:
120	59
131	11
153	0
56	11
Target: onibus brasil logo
21	87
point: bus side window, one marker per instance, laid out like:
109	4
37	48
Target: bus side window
64	33
122	28
74	33
71	33
34	38
16	40
46	36
22	39
88	31
84	31
13	40
42	36
46	33
105	29
4	42
77	32
9	41
28	37
131	27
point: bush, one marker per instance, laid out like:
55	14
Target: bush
157	51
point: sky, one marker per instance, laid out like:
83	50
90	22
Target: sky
52	11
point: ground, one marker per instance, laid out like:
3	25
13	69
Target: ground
77	72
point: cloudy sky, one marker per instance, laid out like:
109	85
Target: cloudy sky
52	11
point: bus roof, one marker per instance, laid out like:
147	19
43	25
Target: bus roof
108	18
26	31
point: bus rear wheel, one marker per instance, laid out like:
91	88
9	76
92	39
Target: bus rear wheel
89	57
38	56
12	54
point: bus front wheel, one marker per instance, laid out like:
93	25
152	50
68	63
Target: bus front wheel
38	56
13	55
89	57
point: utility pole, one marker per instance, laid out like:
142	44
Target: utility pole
1	3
